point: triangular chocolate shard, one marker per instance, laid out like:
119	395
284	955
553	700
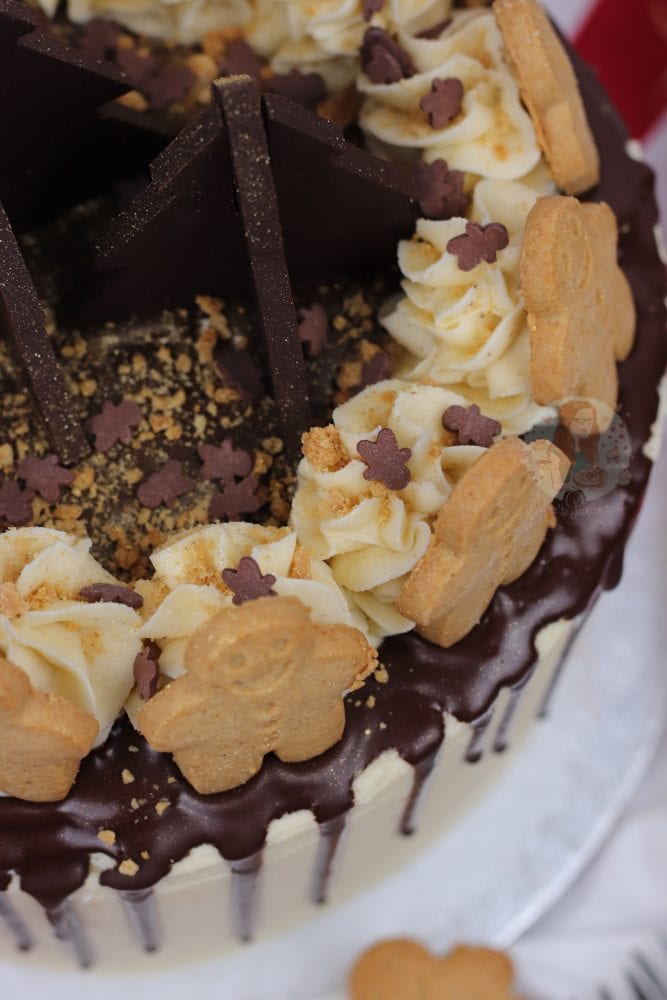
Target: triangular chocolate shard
243	126
342	211
22	323
51	94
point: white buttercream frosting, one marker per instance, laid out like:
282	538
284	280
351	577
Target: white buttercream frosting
370	535
468	329
186	21
493	135
324	36
187	589
83	652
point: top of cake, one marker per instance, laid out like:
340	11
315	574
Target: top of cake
297	480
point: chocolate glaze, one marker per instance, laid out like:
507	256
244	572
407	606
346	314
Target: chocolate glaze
49	845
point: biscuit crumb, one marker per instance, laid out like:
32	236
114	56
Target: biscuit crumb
107	837
162	806
128	867
323	448
127	776
381	675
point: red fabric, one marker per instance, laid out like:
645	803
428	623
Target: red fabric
626	40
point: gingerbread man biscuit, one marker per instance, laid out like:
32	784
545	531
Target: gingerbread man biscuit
485	535
260	677
43	739
405	970
550	91
580	309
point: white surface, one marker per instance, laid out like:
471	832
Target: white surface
498	871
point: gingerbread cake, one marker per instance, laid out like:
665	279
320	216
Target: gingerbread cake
329	331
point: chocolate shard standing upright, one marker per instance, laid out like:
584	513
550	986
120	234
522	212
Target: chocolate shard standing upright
342	212
51	94
22	323
238	101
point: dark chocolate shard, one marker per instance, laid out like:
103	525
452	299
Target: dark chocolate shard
240	111
239	372
22	324
307	89
325	185
50	93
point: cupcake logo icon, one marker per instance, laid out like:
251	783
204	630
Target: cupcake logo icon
599	459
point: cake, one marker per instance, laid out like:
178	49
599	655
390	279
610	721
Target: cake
176	652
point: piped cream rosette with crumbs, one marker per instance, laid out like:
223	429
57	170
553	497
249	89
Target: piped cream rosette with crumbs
80	651
188	590
370	535
468	329
325	36
492	136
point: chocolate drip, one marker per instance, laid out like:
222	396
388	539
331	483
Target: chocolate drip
49	845
500	740
14	922
143	916
475	749
245	884
68	927
331	832
553	683
421	773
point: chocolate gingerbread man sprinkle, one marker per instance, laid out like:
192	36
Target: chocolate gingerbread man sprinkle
248	582
443	103
224	462
15	504
111	593
147	670
114	423
236	498
165	486
383	60
45	475
470	425
313	329
478	243
385	460
440	190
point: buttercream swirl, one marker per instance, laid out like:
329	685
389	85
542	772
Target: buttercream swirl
324	36
185	21
370	535
80	651
492	136
187	589
468	329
